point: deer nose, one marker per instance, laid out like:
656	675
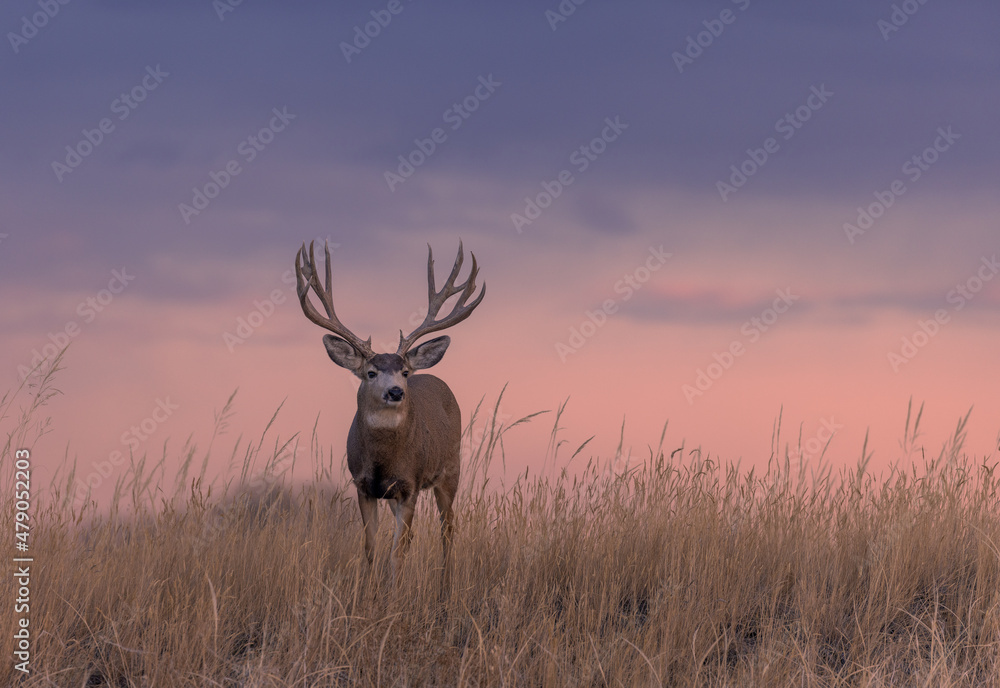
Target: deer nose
394	394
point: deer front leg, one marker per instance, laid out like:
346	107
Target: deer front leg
403	510
369	517
445	495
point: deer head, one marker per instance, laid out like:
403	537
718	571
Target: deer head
382	393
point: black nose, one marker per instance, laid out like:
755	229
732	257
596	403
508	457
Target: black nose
394	394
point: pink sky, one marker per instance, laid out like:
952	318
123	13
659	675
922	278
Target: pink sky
664	239
824	359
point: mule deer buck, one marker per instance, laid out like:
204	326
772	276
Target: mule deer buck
407	430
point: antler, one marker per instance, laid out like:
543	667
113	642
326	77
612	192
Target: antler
435	299
305	277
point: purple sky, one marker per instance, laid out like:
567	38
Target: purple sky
824	107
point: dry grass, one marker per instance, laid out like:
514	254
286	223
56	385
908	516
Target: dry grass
679	572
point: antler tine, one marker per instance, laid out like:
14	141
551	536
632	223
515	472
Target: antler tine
436	299
431	289
306	276
450	282
329	275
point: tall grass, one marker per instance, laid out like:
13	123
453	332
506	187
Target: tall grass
677	571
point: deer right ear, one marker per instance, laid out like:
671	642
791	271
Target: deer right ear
343	354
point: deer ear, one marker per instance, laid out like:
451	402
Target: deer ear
428	353
342	353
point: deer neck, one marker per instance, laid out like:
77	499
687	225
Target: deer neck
386	420
385	427
385	447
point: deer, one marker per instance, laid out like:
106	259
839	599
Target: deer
406	432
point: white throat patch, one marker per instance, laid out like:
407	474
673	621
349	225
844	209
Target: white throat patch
384	418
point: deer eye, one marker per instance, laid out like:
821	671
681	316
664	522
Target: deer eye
372	374
406	373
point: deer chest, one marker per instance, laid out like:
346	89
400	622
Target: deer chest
383	484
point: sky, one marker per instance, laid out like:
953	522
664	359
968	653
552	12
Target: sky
699	214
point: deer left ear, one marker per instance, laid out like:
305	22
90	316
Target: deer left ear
428	353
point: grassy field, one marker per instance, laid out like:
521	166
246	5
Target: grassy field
676	572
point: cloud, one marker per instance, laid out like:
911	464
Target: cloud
325	174
724	307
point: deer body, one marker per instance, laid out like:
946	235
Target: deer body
406	433
396	460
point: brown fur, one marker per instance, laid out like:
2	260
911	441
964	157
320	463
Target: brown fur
422	452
